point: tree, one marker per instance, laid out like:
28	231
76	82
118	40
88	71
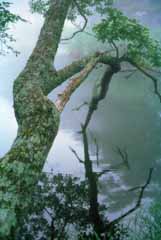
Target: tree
59	203
38	118
7	18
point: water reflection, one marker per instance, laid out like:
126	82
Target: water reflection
129	117
61	159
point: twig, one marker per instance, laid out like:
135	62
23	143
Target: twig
100	174
124	156
84	26
111	169
50	215
80	106
116	48
97	151
88	33
154	80
76	154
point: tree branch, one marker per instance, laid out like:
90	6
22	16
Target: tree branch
74	83
76	155
71	69
80	106
99	94
84	26
116	48
124	156
138	203
103	172
154	80
86	32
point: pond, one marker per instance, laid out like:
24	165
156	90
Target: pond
129	116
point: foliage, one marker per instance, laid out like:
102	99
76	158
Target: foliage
60	207
87	7
59	203
139	46
6	18
39	6
58	200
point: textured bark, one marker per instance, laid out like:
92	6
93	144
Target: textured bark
38	121
74	83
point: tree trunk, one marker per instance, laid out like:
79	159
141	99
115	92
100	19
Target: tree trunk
94	213
38	121
99	93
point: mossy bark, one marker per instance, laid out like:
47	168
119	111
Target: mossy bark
38	121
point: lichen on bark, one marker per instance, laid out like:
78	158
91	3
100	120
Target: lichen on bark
38	122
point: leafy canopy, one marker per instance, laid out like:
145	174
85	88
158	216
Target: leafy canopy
6	18
86	7
59	203
139	45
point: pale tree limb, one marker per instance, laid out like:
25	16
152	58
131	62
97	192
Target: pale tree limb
71	69
74	83
75	67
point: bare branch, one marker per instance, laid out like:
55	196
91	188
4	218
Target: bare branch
80	106
49	214
139	201
111	169
124	156
154	80
100	174
76	155
116	48
97	151
84	26
88	33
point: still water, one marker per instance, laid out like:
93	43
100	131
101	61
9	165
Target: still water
129	117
